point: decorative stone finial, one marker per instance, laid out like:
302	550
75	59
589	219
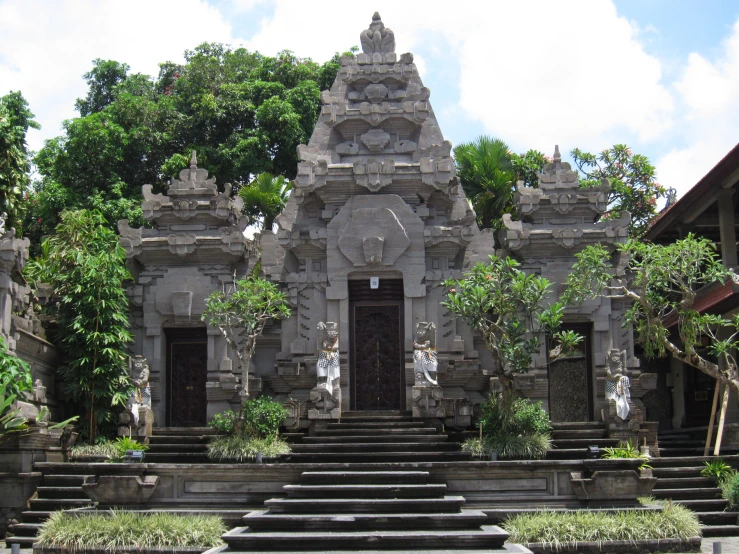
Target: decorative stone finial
378	39
557	156
193	160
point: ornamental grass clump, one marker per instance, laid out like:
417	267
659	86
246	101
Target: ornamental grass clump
119	528
513	427
730	490
566	529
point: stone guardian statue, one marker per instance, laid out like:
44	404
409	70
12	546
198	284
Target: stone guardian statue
425	361
138	420
328	366
618	387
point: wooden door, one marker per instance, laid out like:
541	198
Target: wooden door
187	367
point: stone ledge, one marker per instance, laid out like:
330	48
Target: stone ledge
37	549
620	547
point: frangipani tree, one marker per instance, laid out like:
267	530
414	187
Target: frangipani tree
240	313
509	309
661	282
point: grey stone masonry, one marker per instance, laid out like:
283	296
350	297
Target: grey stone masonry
195	246
376	195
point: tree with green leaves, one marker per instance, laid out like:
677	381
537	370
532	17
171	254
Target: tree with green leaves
15	120
634	187
509	309
660	283
244	113
265	198
85	266
240	313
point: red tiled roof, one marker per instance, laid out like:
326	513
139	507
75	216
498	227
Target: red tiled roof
708	300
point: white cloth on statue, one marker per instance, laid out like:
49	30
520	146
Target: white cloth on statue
135	413
328	366
425	360
620	392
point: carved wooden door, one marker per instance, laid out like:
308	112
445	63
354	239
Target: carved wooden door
377	358
187	361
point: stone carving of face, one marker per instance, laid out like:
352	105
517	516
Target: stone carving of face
614	361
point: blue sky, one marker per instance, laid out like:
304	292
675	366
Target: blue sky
659	75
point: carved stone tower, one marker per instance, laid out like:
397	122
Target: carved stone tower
376	221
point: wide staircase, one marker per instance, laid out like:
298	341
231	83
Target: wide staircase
371	503
570	441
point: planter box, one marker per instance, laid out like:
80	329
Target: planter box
38	549
620	547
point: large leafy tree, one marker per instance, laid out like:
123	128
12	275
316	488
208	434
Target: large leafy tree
634	186
244	113
85	265
15	120
265	198
660	282
510	310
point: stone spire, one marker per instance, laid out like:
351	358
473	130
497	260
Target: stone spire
378	39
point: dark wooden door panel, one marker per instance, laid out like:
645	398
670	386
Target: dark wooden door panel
188	362
377	358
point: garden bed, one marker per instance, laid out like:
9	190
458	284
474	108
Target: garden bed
619	547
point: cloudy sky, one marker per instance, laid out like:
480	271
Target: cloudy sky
659	75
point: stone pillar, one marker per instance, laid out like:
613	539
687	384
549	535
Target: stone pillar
727	227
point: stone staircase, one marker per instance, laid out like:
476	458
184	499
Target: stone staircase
179	445
570	441
366	508
679	479
59	490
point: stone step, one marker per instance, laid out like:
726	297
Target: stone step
25	529
682	461
567	454
404	437
578	434
365	491
374	413
188	431
384	424
558	425
363	418
674	472
67	480
375	457
682	452
180	439
181	447
377	447
61	492
702	505
487	537
686	493
373	430
176	458
363	505
717	518
262	520
23	542
682	482
46	504
720	530
364	477
36	516
583	443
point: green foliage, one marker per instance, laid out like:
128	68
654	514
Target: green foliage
15	373
626	450
565	529
117	529
105	448
239	448
243	112
660	282
265	198
84	264
634	188
513	427
508	308
124	444
717	470
730	490
15	120
224	422
528	166
263	417
10	420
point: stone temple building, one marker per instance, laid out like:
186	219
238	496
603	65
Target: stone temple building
376	222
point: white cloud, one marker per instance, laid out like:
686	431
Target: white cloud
46	46
708	95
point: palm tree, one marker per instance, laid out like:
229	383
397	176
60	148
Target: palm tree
265	198
488	179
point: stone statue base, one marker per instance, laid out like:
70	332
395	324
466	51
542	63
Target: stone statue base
140	432
427	401
324	404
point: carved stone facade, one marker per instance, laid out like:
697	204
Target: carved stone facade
195	246
556	221
376	196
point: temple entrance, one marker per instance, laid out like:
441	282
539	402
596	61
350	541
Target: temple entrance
376	350
571	381
187	367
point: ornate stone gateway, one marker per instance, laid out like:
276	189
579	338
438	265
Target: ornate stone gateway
187	359
377	362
